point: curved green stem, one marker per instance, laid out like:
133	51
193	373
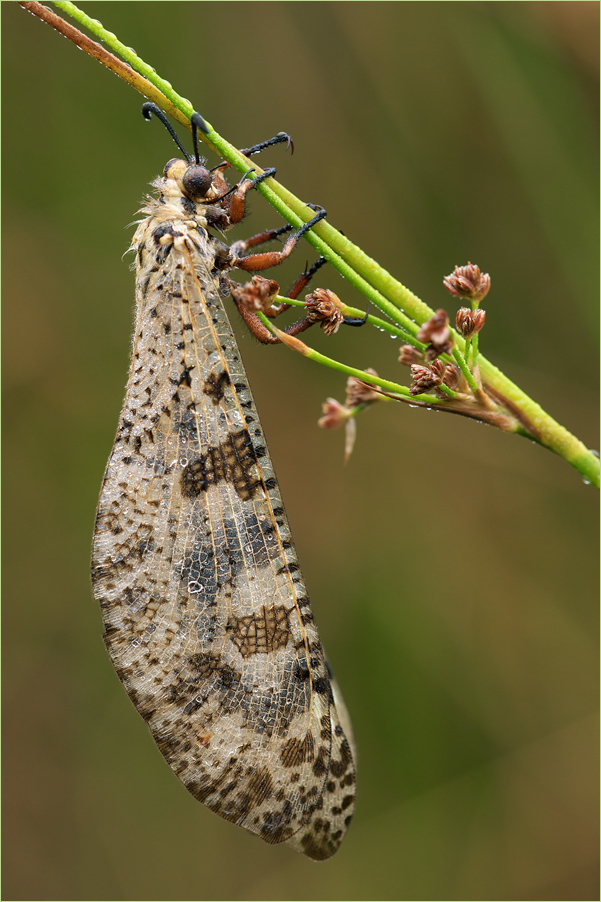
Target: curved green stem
537	425
396	301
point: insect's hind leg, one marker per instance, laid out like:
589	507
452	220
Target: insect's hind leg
300	285
258	294
304	279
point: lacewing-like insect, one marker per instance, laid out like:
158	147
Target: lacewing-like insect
206	614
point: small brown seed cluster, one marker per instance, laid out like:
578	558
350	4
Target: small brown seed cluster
323	307
468	282
436	333
469	322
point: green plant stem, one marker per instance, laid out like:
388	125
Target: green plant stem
395	300
127	54
462	363
316	356
466	354
381	324
327	240
537	425
446	390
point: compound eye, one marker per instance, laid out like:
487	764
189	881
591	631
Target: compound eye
196	182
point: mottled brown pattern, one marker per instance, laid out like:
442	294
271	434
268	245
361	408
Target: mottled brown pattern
295	751
207	618
232	461
262	633
214	386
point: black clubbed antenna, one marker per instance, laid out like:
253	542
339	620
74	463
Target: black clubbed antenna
150	109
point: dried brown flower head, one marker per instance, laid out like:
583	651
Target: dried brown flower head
324	307
410	355
452	376
426	378
258	294
436	333
359	392
335	414
469	322
468	282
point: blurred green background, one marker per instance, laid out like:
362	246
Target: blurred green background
453	569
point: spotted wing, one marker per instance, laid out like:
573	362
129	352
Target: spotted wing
206	615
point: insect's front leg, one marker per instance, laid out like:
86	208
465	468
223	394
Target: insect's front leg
237	203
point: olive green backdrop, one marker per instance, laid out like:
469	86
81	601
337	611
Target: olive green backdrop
453	569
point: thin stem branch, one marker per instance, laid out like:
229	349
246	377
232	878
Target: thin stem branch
461	362
291	341
381	324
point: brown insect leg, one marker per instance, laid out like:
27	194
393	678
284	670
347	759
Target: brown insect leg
239	247
304	278
260	290
237	204
257	262
254	325
300	284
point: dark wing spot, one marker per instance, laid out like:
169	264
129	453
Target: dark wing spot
320	765
232	462
260	633
260	786
296	751
215	386
321	686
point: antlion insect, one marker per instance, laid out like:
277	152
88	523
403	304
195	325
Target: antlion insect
206	615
